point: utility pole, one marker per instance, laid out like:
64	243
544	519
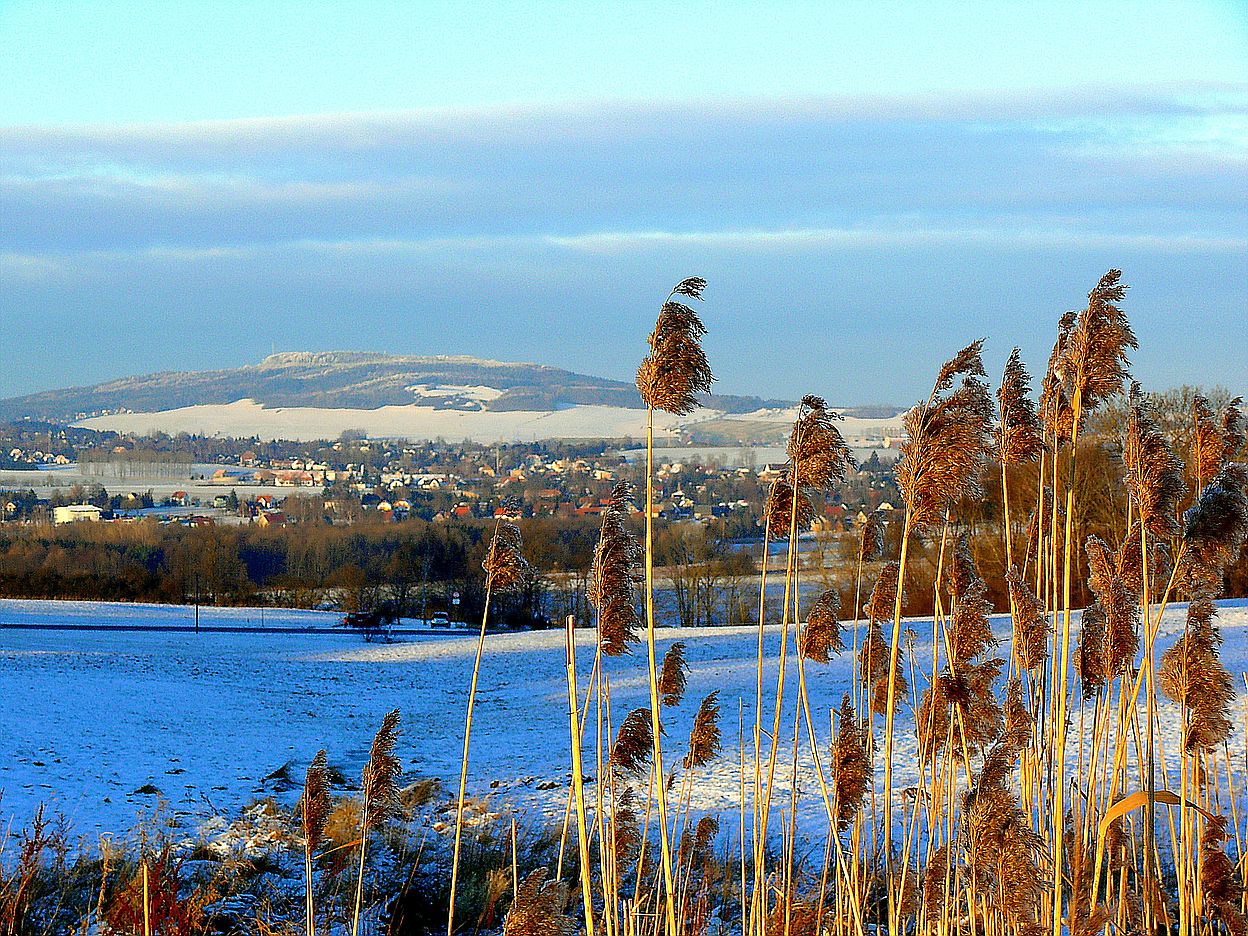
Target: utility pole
424	584
197	602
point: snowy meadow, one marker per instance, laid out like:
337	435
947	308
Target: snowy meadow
200	721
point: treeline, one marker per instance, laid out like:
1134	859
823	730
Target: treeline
414	566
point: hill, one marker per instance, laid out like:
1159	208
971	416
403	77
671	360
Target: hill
350	381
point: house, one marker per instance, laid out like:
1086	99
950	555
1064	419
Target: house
272	518
179	499
73	513
294	478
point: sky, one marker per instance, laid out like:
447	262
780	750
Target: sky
867	187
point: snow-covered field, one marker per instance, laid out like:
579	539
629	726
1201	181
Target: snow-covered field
244	418
90	717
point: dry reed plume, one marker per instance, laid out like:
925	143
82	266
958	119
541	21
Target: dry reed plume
539	908
817	452
676	369
505	568
1215	441
615	575
947	441
780	508
634	742
871	538
1019	432
1192	674
704	738
851	766
1056	412
674	676
313	812
379	792
1154	476
821	637
1031	626
1093	363
1215	531
669	378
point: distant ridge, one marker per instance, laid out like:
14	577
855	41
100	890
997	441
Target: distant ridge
357	380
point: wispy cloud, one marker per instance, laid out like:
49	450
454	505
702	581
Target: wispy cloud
464	219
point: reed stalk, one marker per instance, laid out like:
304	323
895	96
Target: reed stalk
578	782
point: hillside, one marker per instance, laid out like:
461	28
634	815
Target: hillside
349	380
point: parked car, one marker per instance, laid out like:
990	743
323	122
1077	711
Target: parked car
375	624
440	619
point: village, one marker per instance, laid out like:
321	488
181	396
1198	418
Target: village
124	480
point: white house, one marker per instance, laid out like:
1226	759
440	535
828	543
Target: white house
72	513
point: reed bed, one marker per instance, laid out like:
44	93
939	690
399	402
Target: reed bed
1039	805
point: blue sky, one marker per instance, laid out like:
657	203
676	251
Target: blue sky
867	186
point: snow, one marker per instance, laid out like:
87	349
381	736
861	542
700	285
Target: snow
480	394
92	716
244	418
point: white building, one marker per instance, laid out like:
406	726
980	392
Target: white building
75	512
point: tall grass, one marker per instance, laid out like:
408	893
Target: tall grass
1024	819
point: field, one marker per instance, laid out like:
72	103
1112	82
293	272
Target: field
92	716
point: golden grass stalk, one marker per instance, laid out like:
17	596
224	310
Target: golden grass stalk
313	812
947	442
818	457
505	567
578	781
1154	481
1090	365
669	379
379	790
147	904
1019	441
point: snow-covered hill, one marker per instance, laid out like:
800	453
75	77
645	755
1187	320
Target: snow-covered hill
348	380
